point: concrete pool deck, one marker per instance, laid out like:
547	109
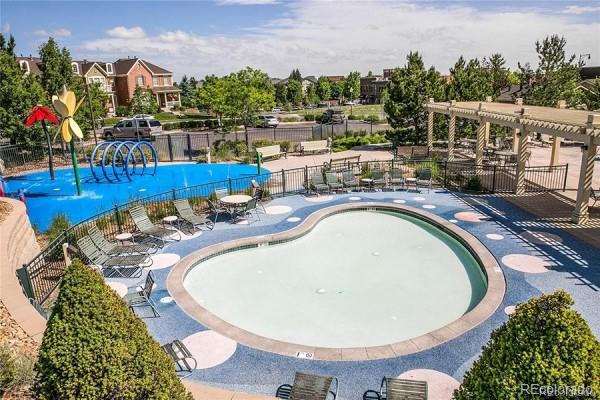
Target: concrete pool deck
534	259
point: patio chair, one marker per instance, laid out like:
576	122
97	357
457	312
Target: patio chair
141	296
111	248
189	217
333	181
397	178
216	209
181	356
309	387
378	178
251	206
398	389
317	183
349	180
424	179
221	192
259	193
146	227
594	195
131	265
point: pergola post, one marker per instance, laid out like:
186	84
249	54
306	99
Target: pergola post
555	154
451	135
515	141
586	173
488	99
523	149
480	139
430	129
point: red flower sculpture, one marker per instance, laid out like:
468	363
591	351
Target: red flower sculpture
39	114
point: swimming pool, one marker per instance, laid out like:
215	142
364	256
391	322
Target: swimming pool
358	279
46	198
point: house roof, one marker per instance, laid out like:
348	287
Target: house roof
336	78
590	72
310	78
165	89
123	65
155	69
511	92
34	64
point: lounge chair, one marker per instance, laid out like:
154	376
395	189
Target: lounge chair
141	296
181	356
349	180
424	179
188	216
111	248
131	265
309	387
398	389
146	227
397	178
333	181
378	178
317	183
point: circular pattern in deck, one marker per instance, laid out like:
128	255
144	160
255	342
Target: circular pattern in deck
400	201
541	238
428	206
354	198
494	236
469	216
525	263
118	287
164	260
276	210
418	198
318	199
210	348
293	219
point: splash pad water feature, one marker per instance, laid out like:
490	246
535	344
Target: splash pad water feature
122	160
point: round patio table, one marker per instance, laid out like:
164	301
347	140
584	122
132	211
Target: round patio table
123	237
505	154
233	202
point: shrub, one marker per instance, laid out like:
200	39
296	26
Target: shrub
60	223
309	117
94	347
121	111
16	369
544	342
372	118
474	183
261	143
318	118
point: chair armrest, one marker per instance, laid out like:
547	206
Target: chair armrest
283	391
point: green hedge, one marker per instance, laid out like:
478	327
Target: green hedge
191	124
347	143
94	347
544	342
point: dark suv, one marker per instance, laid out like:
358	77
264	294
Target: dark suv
333	117
133	129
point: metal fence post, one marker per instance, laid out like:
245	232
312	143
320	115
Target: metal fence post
207	139
283	181
170	144
174	194
445	173
229	184
346	133
371	127
274	138
494	180
306	177
118	218
189	145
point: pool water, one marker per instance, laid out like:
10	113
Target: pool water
358	279
46	198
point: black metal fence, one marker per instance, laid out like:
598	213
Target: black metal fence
41	276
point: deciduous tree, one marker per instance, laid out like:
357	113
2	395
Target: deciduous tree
142	101
323	88
352	85
57	71
294	92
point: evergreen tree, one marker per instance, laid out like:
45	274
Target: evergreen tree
142	101
409	89
294	92
498	73
556	76
188	91
281	94
56	68
470	81
18	94
295	75
311	96
323	88
352	85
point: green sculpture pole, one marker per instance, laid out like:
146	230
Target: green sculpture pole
75	166
258	162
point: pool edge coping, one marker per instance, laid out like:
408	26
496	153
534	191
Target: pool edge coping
496	287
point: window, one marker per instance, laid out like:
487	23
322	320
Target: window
167	80
109	68
155	81
120	124
75	68
128	124
24	66
140	80
142	123
154	122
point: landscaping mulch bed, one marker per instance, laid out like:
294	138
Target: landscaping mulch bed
5	208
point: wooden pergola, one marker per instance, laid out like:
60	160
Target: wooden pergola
560	123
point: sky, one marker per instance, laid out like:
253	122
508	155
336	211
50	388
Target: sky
198	38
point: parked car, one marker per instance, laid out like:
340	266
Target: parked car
276	110
143	116
322	105
133	128
267	121
333	117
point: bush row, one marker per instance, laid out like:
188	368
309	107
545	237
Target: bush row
358	140
196	123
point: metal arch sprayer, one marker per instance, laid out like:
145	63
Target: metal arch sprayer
139	146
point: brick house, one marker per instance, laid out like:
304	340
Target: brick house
119	79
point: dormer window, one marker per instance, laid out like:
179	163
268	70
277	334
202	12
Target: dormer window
109	68
24	66
75	68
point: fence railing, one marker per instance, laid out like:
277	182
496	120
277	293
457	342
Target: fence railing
41	276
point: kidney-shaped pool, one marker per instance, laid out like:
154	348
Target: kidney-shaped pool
356	279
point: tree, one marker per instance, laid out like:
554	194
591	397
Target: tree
544	342
470	81
19	93
295	75
556	76
189	97
281	94
56	68
591	96
337	90
94	347
498	73
213	96
142	101
352	85
294	92
249	93
409	89
93	94
323	88
311	96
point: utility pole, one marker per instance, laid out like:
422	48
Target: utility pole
87	91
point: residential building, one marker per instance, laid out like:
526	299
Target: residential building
372	87
306	82
119	79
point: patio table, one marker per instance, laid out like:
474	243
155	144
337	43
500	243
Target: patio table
235	201
505	154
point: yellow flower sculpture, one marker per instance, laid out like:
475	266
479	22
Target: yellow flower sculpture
65	105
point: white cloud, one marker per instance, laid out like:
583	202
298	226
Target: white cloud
121	32
367	35
245	2
579	10
60	32
6	28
